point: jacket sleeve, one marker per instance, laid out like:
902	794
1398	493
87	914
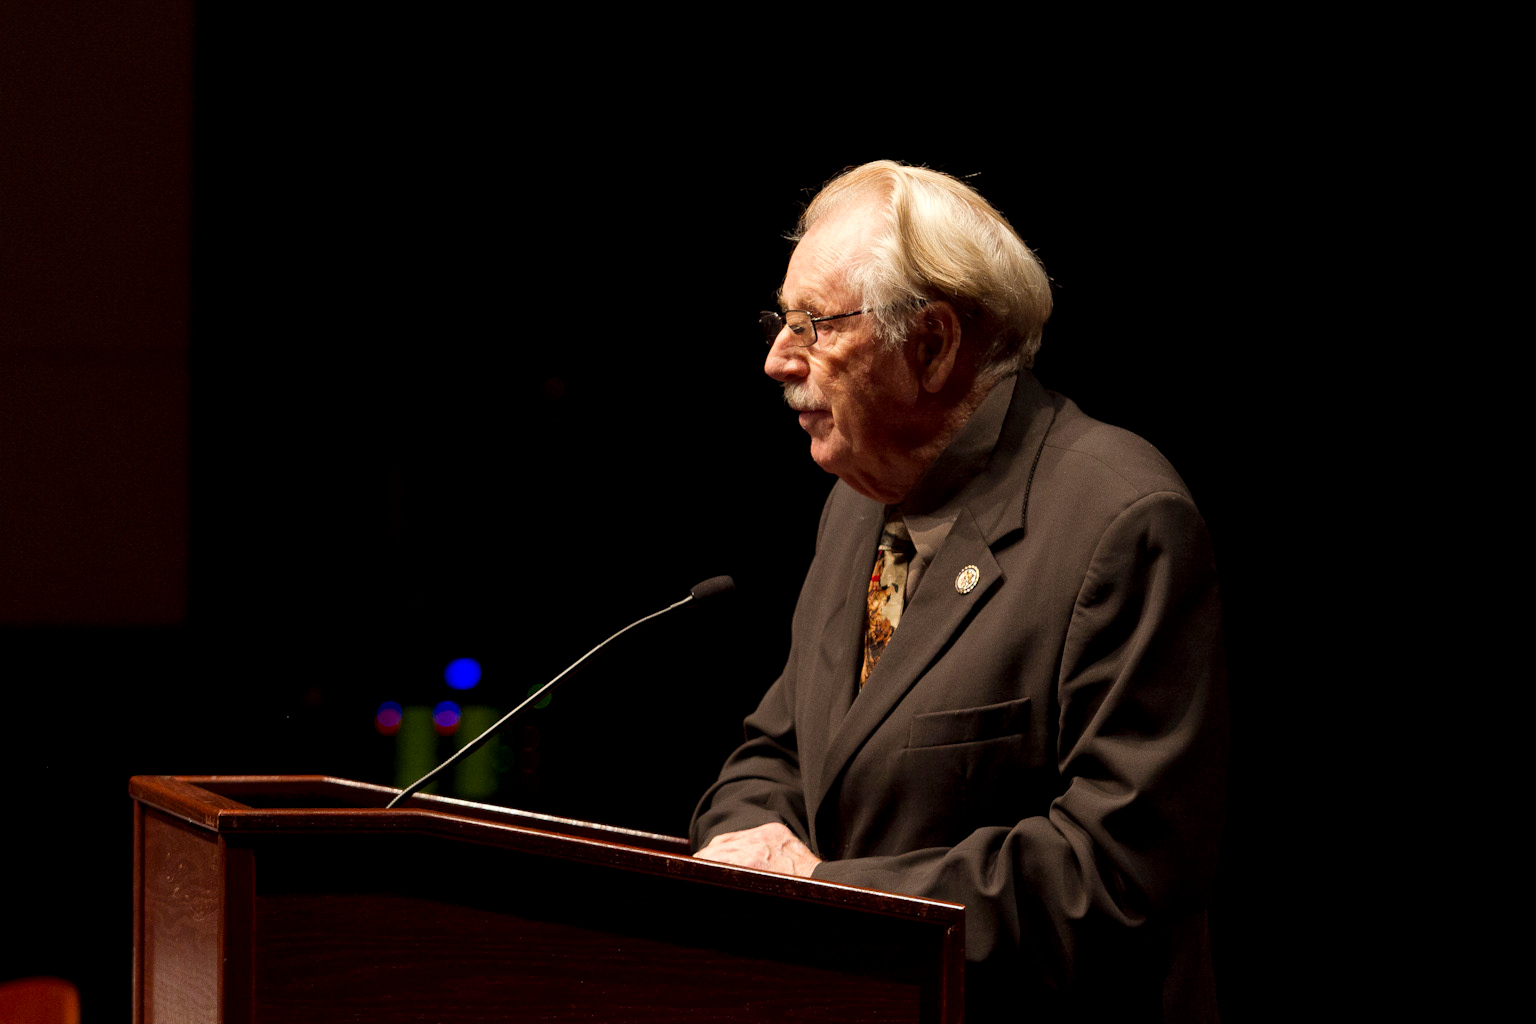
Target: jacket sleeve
1128	843
760	782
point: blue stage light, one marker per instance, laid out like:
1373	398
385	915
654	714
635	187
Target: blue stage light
462	673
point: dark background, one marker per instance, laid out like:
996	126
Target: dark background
333	348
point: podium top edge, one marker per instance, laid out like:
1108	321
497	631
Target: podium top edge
213	803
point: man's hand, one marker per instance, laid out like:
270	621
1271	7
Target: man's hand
770	847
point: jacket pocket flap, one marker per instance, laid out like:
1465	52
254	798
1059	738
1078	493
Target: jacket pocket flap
968	725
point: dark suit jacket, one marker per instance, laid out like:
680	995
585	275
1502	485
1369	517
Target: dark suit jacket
1047	749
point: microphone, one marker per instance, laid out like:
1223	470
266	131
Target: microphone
712	587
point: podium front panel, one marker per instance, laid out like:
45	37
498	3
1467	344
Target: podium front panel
370	915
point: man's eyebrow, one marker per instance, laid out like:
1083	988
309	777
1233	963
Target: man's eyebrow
811	304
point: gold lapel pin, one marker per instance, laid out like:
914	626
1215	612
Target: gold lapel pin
966	579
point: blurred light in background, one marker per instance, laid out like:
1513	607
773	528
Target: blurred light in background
462	673
445	717
387	718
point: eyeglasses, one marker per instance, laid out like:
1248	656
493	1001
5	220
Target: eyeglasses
800	323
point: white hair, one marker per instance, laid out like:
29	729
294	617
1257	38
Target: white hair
942	242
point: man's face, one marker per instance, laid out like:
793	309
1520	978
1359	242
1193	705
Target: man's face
854	395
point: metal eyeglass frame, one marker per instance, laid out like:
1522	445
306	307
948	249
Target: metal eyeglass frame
773	323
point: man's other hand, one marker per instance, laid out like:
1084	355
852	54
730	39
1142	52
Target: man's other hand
770	847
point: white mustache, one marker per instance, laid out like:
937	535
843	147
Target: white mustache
799	396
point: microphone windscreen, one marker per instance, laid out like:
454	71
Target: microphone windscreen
712	587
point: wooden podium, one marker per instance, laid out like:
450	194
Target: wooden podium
300	898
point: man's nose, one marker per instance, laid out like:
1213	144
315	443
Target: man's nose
786	360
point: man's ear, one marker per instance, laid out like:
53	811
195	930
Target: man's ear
937	337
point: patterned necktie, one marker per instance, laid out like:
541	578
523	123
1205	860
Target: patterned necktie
887	592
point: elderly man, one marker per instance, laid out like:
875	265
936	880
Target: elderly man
1006	685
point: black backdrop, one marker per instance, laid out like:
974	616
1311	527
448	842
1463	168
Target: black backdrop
474	372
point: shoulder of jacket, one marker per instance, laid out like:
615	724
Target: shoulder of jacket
1092	453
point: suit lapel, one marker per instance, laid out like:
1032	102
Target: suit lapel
853	622
839	645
